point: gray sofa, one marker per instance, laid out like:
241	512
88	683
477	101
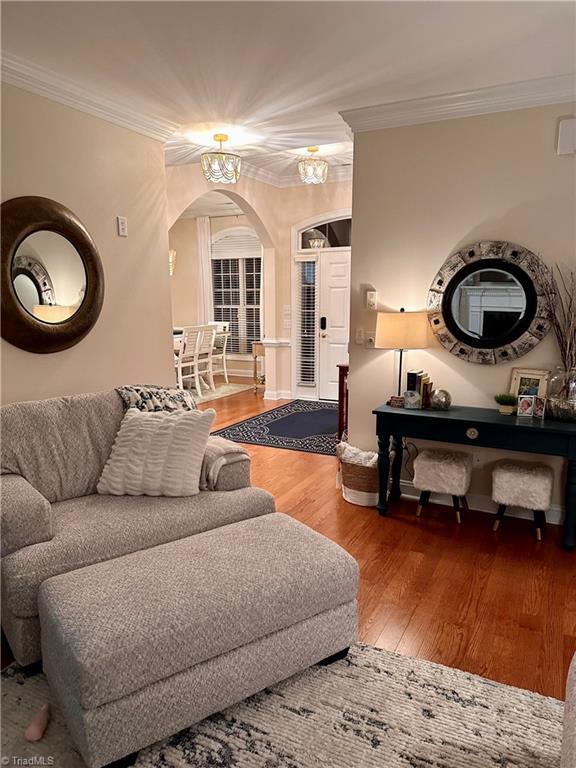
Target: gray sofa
53	522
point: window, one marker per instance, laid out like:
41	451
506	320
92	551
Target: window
306	338
236	287
334	234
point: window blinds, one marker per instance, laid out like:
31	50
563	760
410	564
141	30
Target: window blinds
236	287
307	296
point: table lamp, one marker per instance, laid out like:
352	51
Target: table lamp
401	330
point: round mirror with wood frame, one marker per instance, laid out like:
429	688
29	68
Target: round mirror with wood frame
486	304
35	329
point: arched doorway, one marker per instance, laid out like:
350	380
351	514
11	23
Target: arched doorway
225	272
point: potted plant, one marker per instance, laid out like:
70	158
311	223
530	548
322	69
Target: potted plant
506	403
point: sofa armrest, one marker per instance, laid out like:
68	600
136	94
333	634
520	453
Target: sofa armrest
26	516
568	757
226	466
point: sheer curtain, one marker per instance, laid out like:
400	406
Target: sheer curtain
205	308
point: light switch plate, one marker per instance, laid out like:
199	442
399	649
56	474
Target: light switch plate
122	226
359	335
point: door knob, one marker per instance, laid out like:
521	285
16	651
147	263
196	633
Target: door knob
323	335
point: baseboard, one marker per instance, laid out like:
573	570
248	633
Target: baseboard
483	503
239	372
277	394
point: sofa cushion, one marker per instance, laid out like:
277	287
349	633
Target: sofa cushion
95	528
60	445
157	454
130	622
152	397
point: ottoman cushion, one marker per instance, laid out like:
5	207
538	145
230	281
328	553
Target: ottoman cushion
443	472
522	484
127	623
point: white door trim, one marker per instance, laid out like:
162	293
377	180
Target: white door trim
299	254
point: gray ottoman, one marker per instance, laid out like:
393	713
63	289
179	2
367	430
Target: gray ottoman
139	647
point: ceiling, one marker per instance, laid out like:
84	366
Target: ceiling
212	204
283	71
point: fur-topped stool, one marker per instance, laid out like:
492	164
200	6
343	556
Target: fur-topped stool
443	472
522	484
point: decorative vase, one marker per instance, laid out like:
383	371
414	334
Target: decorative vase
561	400
506	410
441	400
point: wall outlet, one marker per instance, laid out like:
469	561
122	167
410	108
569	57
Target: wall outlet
359	335
372	300
122	226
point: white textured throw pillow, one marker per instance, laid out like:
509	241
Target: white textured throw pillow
157	454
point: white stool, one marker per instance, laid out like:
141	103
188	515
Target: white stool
522	484
443	472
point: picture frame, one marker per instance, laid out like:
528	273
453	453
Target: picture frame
529	381
526	405
539	407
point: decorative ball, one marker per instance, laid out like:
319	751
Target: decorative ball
440	400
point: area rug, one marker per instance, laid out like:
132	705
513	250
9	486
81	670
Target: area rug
374	709
222	390
302	425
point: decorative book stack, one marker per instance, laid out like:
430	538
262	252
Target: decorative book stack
419	381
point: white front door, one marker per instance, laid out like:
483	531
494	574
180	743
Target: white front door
334	319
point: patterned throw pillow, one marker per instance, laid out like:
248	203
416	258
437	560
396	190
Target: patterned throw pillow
152	397
157	454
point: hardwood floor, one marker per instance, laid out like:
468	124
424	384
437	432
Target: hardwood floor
499	605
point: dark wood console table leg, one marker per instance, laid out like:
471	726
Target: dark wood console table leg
569	537
398	448
383	471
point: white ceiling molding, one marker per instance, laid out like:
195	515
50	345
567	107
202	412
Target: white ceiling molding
498	98
43	82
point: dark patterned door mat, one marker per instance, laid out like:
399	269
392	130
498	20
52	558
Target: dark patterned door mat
302	425
374	709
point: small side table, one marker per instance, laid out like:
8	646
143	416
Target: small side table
258	350
343	370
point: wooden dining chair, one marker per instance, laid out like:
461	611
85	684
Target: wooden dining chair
219	362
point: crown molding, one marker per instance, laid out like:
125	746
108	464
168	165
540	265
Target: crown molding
43	82
498	98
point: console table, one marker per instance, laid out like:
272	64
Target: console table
474	427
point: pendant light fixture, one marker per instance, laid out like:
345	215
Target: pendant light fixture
313	170
220	166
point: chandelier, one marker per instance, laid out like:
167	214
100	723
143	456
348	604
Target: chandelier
312	170
220	166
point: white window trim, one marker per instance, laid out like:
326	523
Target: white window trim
240	230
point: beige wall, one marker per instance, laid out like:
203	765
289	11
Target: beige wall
272	212
421	192
100	171
183	237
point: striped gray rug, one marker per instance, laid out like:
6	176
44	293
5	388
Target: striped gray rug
374	709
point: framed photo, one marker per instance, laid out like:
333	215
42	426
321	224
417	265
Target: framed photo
529	381
539	407
526	405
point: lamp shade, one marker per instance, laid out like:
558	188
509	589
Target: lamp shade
401	330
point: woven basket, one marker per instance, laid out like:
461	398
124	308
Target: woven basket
359	478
